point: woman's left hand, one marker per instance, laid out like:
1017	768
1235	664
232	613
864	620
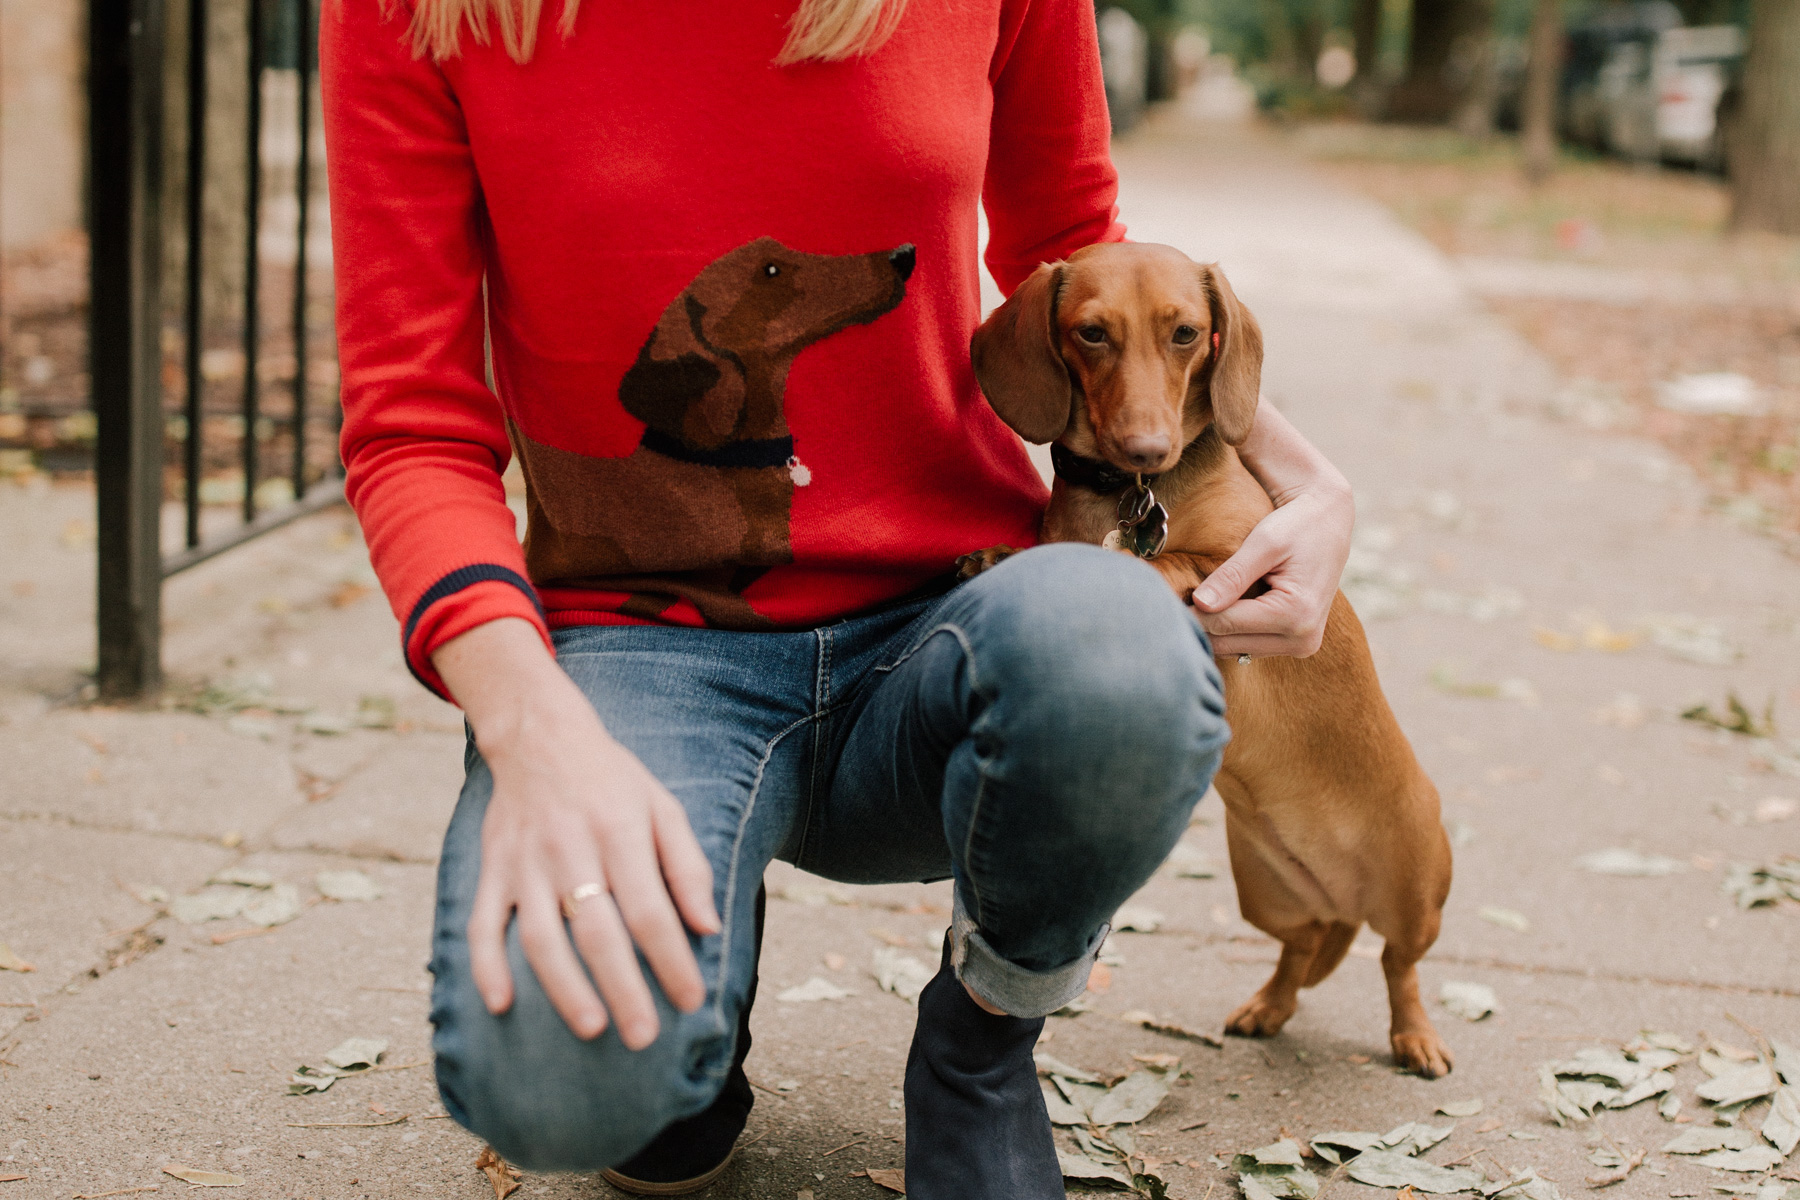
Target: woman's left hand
1299	550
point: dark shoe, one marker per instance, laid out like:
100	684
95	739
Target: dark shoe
693	1152
976	1125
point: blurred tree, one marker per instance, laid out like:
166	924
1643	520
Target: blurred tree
1443	56
1365	35
1543	66
1764	153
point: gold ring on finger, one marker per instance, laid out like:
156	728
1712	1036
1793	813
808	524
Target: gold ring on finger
572	901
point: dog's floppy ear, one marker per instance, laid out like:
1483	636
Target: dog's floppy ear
679	385
1234	370
1017	363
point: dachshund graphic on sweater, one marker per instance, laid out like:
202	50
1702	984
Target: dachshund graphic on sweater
701	508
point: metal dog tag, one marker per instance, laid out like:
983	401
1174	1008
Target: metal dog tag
1149	534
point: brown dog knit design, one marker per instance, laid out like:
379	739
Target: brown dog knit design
702	507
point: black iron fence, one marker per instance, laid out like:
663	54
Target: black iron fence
214	385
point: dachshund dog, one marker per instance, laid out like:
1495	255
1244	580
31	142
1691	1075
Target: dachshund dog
1140	364
701	508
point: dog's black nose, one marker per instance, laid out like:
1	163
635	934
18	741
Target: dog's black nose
904	259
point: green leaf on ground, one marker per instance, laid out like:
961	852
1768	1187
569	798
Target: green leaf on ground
346	886
357	1053
201	1178
1137	918
1506	918
1470	1001
1384	1168
1755	1159
1134	1097
1782	1125
279	905
812	990
1748	1082
1704	1139
1080	1166
1618	860
217	904
241	876
900	973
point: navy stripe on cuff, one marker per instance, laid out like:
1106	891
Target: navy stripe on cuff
449	585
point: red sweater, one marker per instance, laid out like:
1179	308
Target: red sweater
729	304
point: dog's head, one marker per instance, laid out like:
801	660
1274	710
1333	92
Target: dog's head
1130	349
752	309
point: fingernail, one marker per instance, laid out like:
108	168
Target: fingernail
1203	596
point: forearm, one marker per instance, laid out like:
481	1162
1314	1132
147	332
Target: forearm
1285	463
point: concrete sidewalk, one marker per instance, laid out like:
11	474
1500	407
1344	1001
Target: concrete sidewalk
140	1041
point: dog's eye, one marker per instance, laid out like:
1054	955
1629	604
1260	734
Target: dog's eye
1093	335
1185	334
771	270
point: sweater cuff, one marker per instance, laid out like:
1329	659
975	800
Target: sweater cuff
458	602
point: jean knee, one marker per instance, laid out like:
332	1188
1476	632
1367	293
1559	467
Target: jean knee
546	1100
1089	651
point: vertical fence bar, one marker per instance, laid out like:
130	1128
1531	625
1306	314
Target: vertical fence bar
194	314
125	79
252	254
303	188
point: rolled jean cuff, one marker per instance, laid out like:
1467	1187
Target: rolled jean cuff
1018	991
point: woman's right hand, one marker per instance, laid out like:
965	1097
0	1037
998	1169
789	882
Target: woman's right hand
572	807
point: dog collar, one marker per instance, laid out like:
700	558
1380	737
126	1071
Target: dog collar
1093	474
755	452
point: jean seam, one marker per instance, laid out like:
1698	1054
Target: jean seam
727	922
919	645
962	639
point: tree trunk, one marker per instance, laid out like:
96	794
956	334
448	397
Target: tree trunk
1542	70
1441	56
1765	141
1365	30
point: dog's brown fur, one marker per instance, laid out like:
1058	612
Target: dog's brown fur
1330	820
712	375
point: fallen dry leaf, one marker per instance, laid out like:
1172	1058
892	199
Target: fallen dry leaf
501	1174
891	1178
835	962
12	962
1100	979
11	1178
346	594
812	990
1619	1173
199	1178
1154	1024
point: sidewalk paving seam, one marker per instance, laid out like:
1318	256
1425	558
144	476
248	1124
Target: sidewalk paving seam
247	846
1500	964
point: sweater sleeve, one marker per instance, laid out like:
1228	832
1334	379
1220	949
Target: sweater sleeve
1050	188
424	439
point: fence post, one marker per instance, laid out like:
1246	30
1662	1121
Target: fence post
125	148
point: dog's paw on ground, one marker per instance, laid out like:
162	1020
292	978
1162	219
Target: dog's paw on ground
1259	1016
1423	1054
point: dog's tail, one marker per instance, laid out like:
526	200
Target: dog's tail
1332	949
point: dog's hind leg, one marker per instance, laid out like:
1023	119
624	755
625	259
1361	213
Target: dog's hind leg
1265	1013
1332	949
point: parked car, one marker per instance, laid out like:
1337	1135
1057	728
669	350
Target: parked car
1641	85
1693	70
1606	51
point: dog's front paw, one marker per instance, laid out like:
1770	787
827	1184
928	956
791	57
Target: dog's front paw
1260	1016
976	561
1423	1053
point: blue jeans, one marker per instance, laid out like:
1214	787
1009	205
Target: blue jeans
1039	733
